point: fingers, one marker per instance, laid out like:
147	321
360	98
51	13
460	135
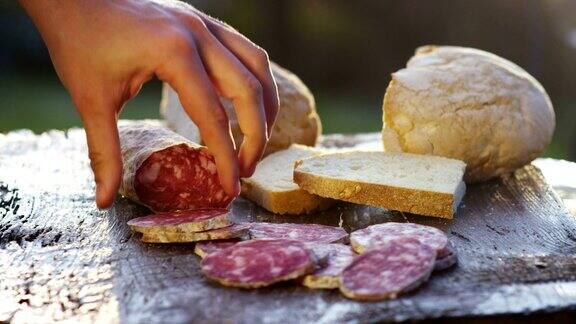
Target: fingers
186	74
236	82
254	59
104	148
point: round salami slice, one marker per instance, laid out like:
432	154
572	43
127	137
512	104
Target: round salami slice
384	272
333	258
234	231
198	220
204	248
166	172
376	235
299	232
257	263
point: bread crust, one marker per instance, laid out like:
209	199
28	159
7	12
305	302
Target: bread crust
469	105
402	199
293	202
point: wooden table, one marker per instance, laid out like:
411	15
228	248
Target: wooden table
62	259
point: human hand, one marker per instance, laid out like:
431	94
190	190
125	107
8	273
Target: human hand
104	51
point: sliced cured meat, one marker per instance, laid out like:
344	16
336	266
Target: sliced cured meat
234	231
206	247
166	172
333	258
399	265
198	220
447	260
300	232
375	235
257	263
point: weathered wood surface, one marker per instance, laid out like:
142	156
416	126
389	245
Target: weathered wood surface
62	259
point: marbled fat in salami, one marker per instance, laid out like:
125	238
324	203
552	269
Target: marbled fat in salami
230	232
375	235
198	220
166	172
300	232
204	248
397	266
331	261
257	263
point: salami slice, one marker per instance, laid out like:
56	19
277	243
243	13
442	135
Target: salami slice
375	235
399	265
184	221
166	172
300	232
204	248
257	263
333	259
447	260
234	231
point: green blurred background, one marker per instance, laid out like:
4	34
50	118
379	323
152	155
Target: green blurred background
343	50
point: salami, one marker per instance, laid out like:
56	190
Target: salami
204	248
183	221
332	259
257	263
447	260
166	172
397	266
234	231
299	232
375	235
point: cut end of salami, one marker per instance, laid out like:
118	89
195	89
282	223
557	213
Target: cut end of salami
309	233
230	232
379	234
400	265
257	263
179	178
198	220
332	259
204	248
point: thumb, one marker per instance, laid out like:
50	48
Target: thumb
100	122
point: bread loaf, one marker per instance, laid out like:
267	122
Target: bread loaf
470	105
297	120
419	184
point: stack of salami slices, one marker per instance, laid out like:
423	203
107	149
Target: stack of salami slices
382	262
188	226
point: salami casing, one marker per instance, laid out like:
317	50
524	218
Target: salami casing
198	220
204	248
446	261
300	232
166	172
332	259
233	231
376	235
258	263
399	265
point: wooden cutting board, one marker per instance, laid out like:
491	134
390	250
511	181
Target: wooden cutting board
64	259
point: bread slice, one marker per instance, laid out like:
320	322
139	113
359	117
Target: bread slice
271	186
419	184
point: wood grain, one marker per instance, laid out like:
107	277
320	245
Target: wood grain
62	259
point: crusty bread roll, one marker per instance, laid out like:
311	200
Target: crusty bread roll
470	105
297	120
